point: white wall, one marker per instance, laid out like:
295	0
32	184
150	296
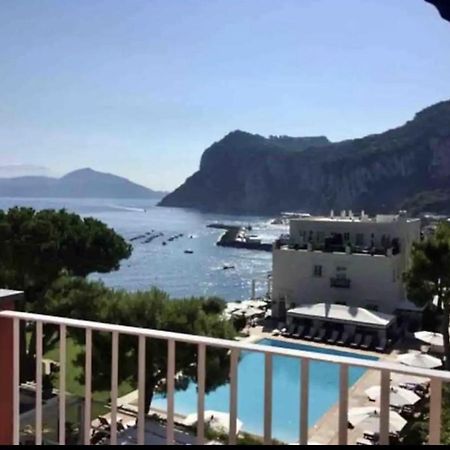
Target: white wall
405	230
374	279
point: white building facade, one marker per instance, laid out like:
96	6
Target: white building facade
350	260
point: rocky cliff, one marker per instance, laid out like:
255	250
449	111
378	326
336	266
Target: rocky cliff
408	166
443	7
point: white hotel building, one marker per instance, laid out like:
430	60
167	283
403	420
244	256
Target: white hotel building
356	262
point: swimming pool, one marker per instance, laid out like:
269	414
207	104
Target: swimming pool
323	390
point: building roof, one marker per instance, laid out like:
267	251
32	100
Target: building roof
7	294
407	305
342	313
363	218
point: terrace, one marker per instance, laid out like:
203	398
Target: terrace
10	390
340	248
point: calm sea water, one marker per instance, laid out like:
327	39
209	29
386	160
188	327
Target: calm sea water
168	267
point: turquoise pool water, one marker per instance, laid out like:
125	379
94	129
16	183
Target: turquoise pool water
323	391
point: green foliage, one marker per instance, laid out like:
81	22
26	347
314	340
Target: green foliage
74	373
239	322
445	437
213	305
429	276
76	297
416	431
36	246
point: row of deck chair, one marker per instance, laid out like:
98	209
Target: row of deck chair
336	337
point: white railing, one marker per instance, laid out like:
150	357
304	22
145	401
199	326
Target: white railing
437	377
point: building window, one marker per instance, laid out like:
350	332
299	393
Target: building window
317	271
320	236
359	239
346	237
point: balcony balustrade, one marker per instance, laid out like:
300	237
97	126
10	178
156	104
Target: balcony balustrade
9	380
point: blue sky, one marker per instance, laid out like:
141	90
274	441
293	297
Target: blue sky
141	88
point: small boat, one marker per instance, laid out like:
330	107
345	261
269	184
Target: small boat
189	251
228	266
164	243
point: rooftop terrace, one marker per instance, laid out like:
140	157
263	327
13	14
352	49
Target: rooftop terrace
349	216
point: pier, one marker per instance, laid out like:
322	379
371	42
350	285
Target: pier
237	237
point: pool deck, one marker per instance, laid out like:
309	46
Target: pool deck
325	430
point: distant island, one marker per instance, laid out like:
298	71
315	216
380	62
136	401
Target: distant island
407	167
83	183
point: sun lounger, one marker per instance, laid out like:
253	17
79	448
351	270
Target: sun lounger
320	336
333	338
356	341
344	338
367	342
290	330
363	441
418	388
298	334
371	436
381	347
310	334
407	410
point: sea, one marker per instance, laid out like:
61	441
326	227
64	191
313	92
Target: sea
168	267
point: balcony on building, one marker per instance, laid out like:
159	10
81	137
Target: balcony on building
338	282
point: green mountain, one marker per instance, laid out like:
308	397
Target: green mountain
83	183
405	167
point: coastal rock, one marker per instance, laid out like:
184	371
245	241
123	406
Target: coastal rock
250	174
443	7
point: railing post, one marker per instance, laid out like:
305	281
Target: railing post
234	359
384	407
268	373
304	401
343	404
435	411
7	376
